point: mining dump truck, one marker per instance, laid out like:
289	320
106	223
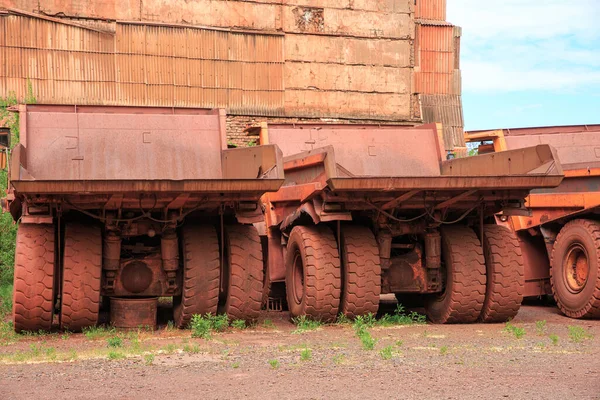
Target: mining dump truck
560	238
126	204
369	210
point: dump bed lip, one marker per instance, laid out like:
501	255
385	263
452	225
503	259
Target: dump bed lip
444	182
145	186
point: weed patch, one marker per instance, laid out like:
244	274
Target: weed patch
115	355
339	359
149	359
554	339
114	341
193	349
386	353
540	327
304	324
305	354
578	334
98	332
238	324
514	330
400	317
204	325
274	364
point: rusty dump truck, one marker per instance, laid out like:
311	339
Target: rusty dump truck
368	210
560	237
129	204
121	205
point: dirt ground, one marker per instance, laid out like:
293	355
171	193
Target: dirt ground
553	360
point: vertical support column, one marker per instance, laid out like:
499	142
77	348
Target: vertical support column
169	252
111	259
384	241
433	259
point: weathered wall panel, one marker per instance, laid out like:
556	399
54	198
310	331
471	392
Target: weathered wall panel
142	65
340	77
346	50
347	22
316	104
351	59
256	14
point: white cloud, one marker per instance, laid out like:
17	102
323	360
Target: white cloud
516	45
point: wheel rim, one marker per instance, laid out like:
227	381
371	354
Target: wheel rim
298	276
576	268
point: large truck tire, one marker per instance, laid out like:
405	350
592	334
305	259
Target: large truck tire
505	271
243	272
575	269
361	271
201	274
313	277
33	297
463	293
82	273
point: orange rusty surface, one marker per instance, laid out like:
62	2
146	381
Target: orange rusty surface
305	162
142	65
130	313
194	54
431	9
101	157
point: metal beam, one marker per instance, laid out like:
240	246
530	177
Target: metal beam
397	201
455	199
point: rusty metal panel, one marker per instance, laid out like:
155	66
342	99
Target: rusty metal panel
123	144
447	110
431	9
575	150
436	60
142	65
366	150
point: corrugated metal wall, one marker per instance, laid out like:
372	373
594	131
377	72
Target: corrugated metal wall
437	56
437	72
430	9
142	65
342	60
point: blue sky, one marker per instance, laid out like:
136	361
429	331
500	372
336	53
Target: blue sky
529	62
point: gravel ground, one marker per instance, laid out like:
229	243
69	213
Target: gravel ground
418	361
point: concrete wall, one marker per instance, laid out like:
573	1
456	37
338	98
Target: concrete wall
349	59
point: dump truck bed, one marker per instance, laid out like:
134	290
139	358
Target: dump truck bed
113	157
578	148
393	167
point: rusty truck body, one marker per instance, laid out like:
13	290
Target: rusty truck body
560	237
133	203
367	210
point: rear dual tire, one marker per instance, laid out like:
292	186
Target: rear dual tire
465	279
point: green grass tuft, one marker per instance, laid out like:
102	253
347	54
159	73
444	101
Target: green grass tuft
515	330
204	325
238	324
304	324
98	332
115	355
386	353
540	327
149	359
114	341
274	364
305	354
578	334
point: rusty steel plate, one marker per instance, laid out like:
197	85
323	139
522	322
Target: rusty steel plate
131	313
